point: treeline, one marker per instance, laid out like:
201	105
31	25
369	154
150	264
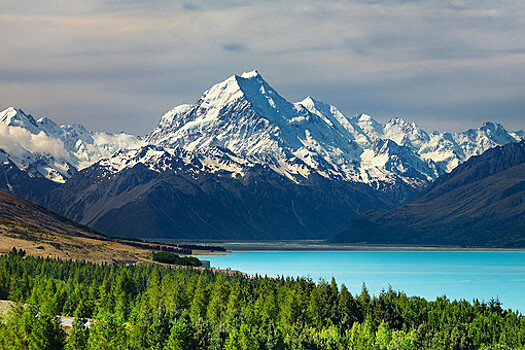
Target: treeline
174	259
153	307
211	248
183	248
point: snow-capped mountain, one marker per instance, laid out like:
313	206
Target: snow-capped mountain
246	116
43	148
448	150
480	203
19	182
241	162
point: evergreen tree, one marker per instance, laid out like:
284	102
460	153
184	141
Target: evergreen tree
46	333
107	334
159	330
149	307
180	336
200	300
78	339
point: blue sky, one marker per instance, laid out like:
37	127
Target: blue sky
119	65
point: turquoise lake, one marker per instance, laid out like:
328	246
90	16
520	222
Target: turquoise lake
458	274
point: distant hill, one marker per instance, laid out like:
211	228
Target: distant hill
16	209
480	203
42	232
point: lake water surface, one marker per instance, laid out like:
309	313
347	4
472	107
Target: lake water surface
458	274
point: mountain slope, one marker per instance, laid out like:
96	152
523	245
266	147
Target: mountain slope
14	180
480	203
41	232
152	192
16	209
246	116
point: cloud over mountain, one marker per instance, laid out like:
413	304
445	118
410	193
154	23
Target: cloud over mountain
15	140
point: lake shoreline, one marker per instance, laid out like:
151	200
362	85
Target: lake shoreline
460	275
318	245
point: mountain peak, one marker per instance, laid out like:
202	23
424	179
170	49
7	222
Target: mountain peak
11	110
251	74
47	122
9	113
237	86
402	123
364	117
397	120
368	124
309	102
222	91
49	126
492	126
16	117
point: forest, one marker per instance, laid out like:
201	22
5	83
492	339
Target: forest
175	259
148	306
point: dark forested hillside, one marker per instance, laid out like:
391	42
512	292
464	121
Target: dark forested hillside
154	307
480	203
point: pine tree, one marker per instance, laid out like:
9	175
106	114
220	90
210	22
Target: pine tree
180	336
218	301
78	339
108	333
200	300
46	333
159	329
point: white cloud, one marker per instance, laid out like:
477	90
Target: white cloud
18	141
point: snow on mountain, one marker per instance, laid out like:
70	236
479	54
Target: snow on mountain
449	150
518	135
242	122
336	119
160	159
246	116
398	163
405	133
41	147
17	118
369	125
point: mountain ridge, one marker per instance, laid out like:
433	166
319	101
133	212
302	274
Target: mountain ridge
239	136
480	203
178	196
341	153
219	169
